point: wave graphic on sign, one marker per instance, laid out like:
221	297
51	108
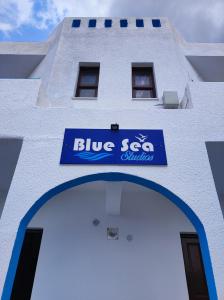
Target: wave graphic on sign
92	156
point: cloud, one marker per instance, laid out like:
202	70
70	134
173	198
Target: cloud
200	21
6	26
43	14
196	20
13	14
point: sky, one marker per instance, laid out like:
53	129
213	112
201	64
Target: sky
34	20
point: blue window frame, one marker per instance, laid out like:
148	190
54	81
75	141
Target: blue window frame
156	23
76	23
108	23
92	23
139	23
124	23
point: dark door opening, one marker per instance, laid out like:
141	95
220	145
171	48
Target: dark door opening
195	274
23	283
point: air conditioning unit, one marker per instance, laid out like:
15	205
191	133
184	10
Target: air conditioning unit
170	99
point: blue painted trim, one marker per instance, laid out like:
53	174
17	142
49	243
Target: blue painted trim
108	23
124	23
110	177
76	23
92	23
156	23
139	23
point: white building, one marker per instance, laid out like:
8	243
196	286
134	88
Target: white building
125	230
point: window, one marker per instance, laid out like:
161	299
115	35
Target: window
143	82
88	82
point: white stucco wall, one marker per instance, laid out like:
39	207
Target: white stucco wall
76	260
115	49
188	173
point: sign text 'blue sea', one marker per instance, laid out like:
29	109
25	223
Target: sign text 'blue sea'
104	146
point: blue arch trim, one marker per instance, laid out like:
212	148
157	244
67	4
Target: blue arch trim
110	177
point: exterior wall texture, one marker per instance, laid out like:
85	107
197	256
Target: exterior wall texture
39	108
137	269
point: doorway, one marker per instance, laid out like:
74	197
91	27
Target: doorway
195	274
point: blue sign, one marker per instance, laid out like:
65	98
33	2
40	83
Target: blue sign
104	146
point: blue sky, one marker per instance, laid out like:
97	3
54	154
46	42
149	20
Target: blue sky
30	20
26	33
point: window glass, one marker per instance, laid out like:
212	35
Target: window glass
143	82
87	85
88	78
87	92
142	79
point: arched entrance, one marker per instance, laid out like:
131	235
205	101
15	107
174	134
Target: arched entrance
111	177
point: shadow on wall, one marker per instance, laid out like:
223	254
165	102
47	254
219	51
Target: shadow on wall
18	66
9	154
208	68
215	153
